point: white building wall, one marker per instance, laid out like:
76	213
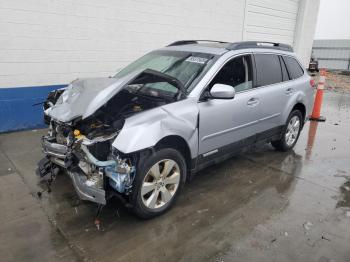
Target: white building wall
271	20
46	42
305	29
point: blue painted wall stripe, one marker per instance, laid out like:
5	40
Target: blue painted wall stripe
16	107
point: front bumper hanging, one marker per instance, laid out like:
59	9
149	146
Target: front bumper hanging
86	192
86	189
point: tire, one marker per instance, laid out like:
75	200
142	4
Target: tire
285	144
152	197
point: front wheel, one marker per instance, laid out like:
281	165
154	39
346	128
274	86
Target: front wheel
158	182
290	132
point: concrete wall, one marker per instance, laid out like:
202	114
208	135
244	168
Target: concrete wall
47	44
305	29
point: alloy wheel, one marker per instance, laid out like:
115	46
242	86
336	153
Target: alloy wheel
292	130
160	184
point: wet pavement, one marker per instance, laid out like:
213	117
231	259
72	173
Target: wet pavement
259	206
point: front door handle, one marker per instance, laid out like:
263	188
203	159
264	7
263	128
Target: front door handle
289	91
253	101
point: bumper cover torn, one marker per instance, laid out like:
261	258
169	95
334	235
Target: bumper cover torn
89	185
86	191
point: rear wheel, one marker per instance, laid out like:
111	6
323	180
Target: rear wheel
158	182
290	132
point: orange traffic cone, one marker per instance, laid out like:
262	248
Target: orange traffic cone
316	112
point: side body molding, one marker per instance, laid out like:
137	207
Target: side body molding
145	129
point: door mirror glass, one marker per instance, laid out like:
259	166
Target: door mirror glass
221	91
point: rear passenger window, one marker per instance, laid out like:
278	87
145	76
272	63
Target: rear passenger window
293	67
268	69
285	76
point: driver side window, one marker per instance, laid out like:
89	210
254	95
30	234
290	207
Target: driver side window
237	73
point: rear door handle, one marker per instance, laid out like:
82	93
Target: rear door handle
289	91
253	101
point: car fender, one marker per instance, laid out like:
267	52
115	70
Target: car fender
297	97
146	129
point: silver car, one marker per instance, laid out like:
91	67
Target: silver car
140	134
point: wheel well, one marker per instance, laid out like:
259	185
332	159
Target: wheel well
177	143
301	108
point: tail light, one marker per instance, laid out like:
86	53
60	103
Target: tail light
312	83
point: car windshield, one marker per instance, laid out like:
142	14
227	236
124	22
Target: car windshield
184	66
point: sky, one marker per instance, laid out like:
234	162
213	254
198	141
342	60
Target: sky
333	20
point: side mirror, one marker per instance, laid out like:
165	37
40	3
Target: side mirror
221	91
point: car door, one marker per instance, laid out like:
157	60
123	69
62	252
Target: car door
227	122
272	91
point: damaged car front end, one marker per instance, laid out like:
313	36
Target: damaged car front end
86	118
91	164
83	148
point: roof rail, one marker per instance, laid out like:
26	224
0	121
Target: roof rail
189	42
259	44
239	45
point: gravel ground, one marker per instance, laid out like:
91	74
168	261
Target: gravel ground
338	81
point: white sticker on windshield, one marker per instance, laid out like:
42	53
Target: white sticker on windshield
195	59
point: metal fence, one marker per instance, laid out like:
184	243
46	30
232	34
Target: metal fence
332	54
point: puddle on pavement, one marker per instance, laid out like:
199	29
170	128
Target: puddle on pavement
344	200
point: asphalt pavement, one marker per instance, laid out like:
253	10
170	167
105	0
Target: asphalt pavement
259	206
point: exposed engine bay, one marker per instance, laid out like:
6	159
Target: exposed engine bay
83	147
110	118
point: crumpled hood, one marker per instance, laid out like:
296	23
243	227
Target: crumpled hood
84	96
